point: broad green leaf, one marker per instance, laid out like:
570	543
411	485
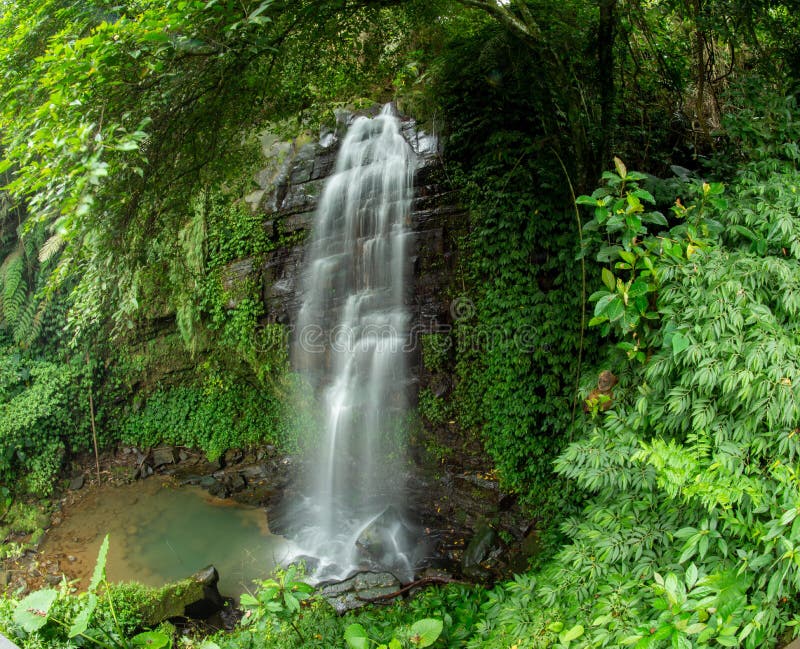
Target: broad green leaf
246	599
426	631
691	575
81	621
99	573
747	234
638	288
603	303
31	613
774	585
679	343
608	279
620	167
151	640
356	637
615	309
571	634
261	9
291	601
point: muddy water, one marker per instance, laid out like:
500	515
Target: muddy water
160	532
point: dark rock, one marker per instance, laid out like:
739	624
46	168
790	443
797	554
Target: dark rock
77	483
233	456
235	483
254	471
260	495
356	591
162	456
218	489
183	455
477	551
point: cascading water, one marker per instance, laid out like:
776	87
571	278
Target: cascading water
352	330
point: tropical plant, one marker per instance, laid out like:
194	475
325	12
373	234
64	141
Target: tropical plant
36	614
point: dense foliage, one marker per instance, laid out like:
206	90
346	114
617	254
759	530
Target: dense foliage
671	498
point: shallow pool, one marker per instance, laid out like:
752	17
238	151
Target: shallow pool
161	532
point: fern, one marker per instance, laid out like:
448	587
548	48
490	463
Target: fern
11	275
51	247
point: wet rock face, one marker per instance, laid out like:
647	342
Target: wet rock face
289	186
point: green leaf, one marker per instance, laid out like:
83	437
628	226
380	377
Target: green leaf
747	234
292	604
679	343
81	621
774	586
99	573
571	634
32	612
608	279
261	9
246	599
620	167
425	632
356	636
603	302
638	288
691	575
615	309
151	640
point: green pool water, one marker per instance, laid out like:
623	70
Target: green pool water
160	532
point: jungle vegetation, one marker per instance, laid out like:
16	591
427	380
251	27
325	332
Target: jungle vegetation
631	170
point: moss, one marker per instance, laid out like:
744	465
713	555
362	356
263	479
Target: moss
148	607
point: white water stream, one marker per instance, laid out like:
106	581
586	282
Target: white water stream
352	331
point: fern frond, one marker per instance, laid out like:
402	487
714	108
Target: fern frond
51	247
193	241
24	327
11	275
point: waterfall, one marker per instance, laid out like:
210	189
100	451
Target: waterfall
352	330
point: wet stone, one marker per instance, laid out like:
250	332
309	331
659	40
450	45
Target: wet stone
163	455
77	483
356	592
235	483
233	456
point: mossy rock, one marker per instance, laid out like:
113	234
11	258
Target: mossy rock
196	597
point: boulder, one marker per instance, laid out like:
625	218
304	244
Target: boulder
163	455
477	551
196	597
235	482
77	483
